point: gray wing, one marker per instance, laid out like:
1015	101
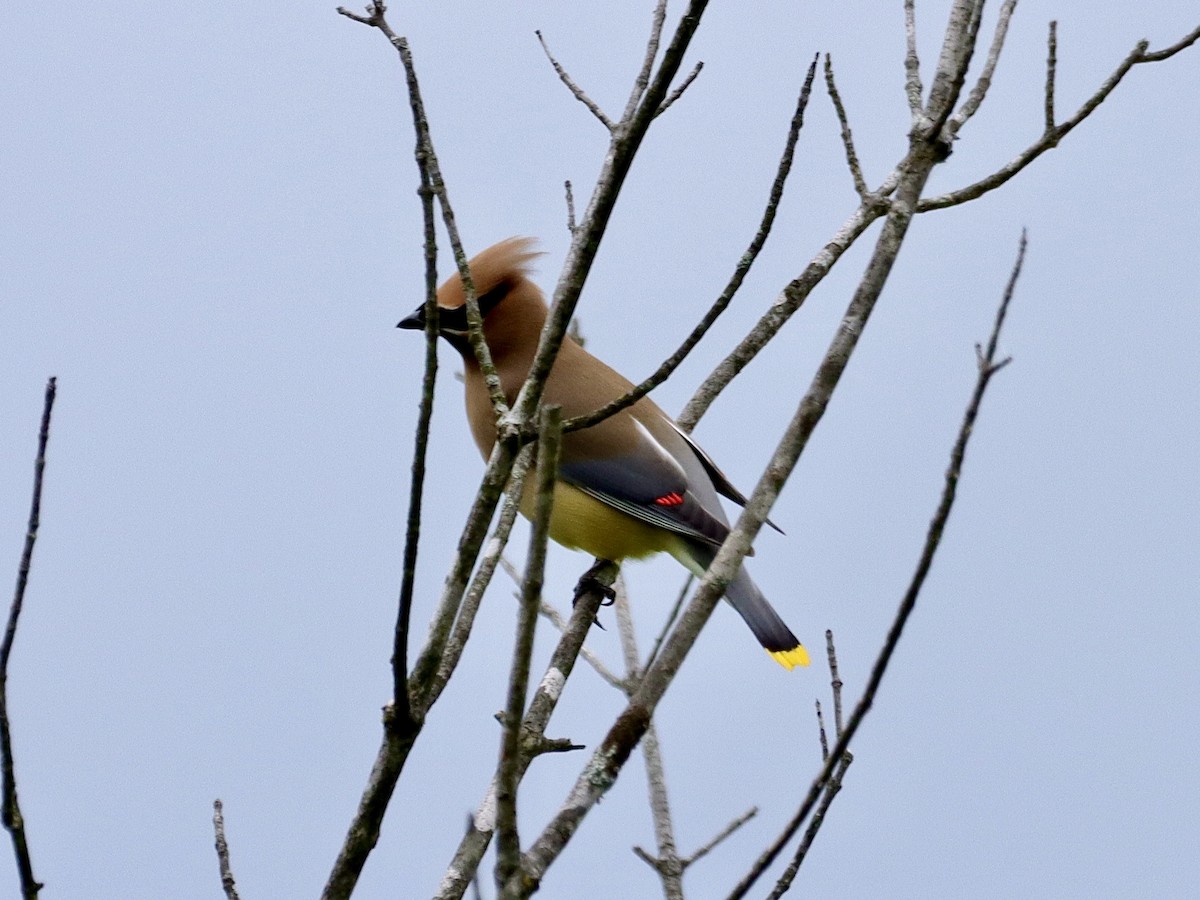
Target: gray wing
645	482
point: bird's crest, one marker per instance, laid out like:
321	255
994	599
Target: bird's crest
501	265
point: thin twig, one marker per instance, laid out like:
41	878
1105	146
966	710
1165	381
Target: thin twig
860	184
1051	73
554	617
821	734
912	63
626	140
412	536
979	92
987	367
1051	139
664	371
570	206
14	822
508	844
227	882
488	560
642	81
832	789
667	862
954	61
576	91
562	663
678	92
670	620
1167	52
669	865
835	682
704	849
790	299
428	161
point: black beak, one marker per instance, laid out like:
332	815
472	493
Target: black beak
414	321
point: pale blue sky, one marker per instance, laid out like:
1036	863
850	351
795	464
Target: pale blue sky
210	228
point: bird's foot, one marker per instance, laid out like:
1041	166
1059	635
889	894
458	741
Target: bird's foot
589	581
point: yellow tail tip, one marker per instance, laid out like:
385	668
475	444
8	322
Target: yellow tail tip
789	659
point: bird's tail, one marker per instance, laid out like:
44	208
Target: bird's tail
744	596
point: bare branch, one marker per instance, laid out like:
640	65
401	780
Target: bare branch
570	206
428	163
365	20
1167	52
627	137
790	299
412	536
952	67
227	882
835	682
645	857
642	81
979	92
954	61
986	369
508	853
576	91
912	63
831	789
427	160
667	863
860	184
664	371
814	825
415	692
14	822
721	835
607	760
670	620
399	734
513	425
492	555
704	849
678	92
555	618
1051	139
1051	72
821	734
562	662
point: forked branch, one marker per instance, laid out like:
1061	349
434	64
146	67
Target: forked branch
1055	133
664	371
987	366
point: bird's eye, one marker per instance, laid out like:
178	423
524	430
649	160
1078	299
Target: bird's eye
492	298
453	319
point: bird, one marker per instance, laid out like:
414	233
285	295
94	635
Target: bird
631	486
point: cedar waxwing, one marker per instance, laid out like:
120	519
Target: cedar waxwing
633	485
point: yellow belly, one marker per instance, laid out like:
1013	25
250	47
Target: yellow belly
582	522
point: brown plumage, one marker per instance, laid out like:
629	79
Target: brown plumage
631	486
